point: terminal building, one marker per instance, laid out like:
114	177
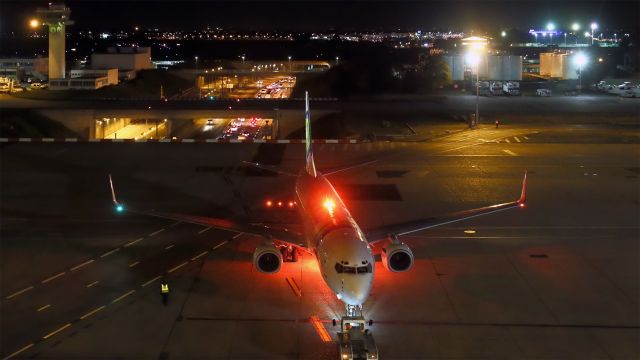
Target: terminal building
128	60
25	69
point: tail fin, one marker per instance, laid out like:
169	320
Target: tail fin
310	165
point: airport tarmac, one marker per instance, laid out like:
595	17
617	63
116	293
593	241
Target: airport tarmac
558	279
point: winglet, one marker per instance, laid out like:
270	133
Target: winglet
523	195
310	164
119	207
113	193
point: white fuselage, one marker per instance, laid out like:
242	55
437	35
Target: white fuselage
344	256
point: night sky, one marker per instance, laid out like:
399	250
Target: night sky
324	15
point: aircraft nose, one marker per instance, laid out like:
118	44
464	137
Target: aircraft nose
356	291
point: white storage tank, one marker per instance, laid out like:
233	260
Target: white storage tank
456	66
504	67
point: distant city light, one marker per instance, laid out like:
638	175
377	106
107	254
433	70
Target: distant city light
594	26
551	27
575	27
34	23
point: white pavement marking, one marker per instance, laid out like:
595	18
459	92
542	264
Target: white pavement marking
526	137
18	352
56	331
178	267
81	265
93	283
203	230
237	235
109	253
133	242
222	243
510	152
123	296
19	292
507	141
170	246
156	232
134	264
199	256
175	223
44	307
92	312
53	277
516	139
152	280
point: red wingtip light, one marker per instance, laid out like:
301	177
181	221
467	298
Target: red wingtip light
521	205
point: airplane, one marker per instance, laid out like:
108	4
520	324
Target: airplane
343	251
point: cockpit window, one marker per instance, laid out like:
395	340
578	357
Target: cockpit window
340	268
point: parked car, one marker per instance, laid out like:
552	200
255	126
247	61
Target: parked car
543	92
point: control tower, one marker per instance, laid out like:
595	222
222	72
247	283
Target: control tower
56	17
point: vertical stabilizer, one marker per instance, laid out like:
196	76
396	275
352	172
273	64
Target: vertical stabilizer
310	165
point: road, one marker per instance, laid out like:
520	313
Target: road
557	279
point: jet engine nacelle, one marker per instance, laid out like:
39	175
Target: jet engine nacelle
397	257
267	259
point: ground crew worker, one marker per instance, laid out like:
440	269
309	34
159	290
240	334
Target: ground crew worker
164	290
497	123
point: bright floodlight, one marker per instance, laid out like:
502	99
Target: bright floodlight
34	23
472	58
594	26
580	60
503	33
587	34
551	26
575	27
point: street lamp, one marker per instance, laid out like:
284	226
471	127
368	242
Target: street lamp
34	23
198	79
337	60
474	60
503	33
289	62
580	60
242	57
575	27
594	26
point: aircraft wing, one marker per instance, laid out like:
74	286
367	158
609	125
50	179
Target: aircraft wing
283	235
381	233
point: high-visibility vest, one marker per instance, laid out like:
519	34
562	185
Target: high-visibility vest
164	288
